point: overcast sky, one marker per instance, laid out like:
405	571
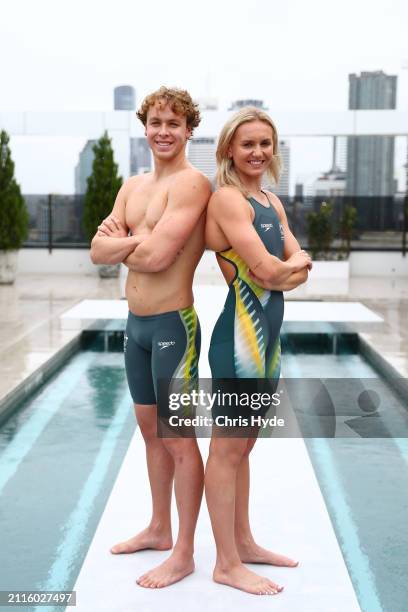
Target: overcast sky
293	54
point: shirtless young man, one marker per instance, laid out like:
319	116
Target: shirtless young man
165	214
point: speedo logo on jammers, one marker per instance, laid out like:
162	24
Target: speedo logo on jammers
164	345
266	226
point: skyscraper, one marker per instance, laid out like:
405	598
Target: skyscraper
339	159
201	153
282	188
238	104
83	169
406	173
140	156
329	185
207	103
124	98
370	159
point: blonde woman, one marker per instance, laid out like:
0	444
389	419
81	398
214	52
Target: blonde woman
259	258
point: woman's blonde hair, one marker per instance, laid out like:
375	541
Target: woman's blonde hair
226	173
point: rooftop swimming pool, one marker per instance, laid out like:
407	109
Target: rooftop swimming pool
60	453
59	457
364	479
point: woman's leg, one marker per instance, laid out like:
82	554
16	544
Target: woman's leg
220	489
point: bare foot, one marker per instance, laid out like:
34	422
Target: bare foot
148	538
252	553
240	577
174	569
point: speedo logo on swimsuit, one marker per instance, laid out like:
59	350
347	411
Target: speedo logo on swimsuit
164	345
282	234
266	226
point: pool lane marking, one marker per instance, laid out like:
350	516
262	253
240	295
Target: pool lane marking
45	407
358	560
60	572
400	443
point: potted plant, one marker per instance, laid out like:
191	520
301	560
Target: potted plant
13	214
102	187
347	224
319	231
320	238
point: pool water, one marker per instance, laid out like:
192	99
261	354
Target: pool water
61	451
59	458
364	482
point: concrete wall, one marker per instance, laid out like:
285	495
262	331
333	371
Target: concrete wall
60	261
77	261
378	264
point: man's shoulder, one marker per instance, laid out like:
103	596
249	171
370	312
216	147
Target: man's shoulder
135	181
191	176
190	179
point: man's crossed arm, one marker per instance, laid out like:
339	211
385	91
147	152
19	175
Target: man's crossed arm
187	200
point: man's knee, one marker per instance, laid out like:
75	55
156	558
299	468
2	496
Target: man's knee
180	448
146	417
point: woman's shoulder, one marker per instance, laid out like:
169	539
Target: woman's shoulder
276	203
226	197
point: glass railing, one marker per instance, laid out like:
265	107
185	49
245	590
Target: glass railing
380	222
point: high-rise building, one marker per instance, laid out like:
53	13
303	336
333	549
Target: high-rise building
238	104
282	188
299	191
330	185
201	153
83	169
339	159
207	104
140	156
308	190
370	159
124	98
406	172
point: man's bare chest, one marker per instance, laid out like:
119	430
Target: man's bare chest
144	209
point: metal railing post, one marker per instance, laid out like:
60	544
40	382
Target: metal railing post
50	223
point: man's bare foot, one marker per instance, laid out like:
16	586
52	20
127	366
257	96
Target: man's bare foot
240	577
252	553
148	538
174	569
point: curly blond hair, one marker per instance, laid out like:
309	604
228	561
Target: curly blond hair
180	103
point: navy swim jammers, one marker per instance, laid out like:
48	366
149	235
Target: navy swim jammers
165	345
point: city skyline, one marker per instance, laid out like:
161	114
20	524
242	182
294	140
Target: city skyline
282	53
310	157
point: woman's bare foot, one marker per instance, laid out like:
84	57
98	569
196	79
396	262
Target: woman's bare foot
174	569
240	577
158	539
252	553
